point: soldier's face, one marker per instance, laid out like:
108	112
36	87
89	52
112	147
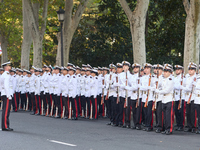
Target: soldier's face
71	72
147	70
191	72
178	71
136	69
64	72
119	70
155	71
43	69
160	71
24	73
125	67
167	74
88	73
12	73
78	71
93	74
82	72
32	71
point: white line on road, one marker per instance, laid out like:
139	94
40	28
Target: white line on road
68	144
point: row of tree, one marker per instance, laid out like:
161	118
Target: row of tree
100	32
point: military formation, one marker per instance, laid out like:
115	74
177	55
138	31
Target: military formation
115	92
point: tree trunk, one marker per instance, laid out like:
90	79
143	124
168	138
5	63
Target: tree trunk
27	40
37	49
68	39
137	20
192	29
58	57
4	45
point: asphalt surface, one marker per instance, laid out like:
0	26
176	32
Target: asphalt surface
39	133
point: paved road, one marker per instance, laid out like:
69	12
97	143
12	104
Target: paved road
39	133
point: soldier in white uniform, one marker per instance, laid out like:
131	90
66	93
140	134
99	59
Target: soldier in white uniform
72	92
147	87
13	80
94	92
189	89
158	98
57	90
36	107
100	78
28	90
88	81
22	89
7	95
111	94
136	96
64	90
167	100
78	98
82	89
32	91
178	81
42	94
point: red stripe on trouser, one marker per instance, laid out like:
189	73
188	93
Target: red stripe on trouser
40	104
95	108
195	122
152	119
76	107
61	104
184	109
103	110
26	95
15	102
51	98
36	105
130	113
6	114
140	112
171	128
80	105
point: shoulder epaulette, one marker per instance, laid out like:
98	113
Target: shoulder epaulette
170	78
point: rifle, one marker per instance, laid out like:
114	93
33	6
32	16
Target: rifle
146	103
126	99
51	113
138	92
109	87
180	101
117	90
102	97
63	113
42	109
47	112
156	95
91	109
188	102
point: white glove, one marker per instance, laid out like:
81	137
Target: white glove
149	87
110	82
157	91
117	84
9	97
156	79
194	83
126	87
181	87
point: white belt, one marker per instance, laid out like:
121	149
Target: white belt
169	94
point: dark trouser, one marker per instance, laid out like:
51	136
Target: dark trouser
197	108
83	104
57	104
144	113
33	101
94	107
182	112
74	107
119	116
100	111
179	122
108	107
5	112
78	104
159	115
113	109
168	115
138	117
128	112
65	104
149	116
42	98
88	106
14	103
17	98
37	101
136	112
23	100
47	97
29	102
190	109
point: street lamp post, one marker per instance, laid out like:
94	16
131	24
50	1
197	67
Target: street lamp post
60	14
